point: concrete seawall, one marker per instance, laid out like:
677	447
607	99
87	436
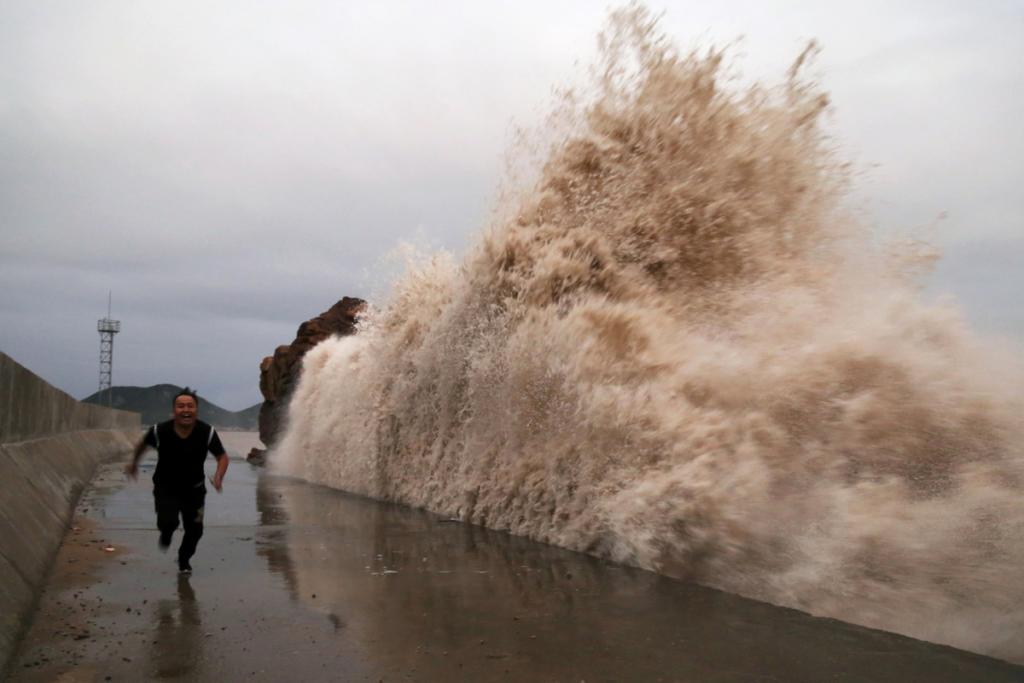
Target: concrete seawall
50	445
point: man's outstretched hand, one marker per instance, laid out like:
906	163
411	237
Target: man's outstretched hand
218	483
132	470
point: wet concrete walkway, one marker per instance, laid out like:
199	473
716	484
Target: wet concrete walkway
299	582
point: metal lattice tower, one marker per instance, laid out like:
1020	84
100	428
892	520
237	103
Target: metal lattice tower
107	329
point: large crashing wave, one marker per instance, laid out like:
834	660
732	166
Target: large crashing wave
679	352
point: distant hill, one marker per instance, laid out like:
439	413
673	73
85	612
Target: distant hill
155	405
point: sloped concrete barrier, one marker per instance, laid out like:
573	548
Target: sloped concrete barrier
50	445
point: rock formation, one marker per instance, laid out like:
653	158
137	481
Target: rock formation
280	373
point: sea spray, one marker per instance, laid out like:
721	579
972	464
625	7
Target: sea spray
678	351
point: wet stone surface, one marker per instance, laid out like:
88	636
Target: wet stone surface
299	582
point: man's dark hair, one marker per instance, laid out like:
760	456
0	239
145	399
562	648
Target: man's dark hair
185	392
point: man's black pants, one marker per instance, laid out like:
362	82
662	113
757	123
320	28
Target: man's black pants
190	506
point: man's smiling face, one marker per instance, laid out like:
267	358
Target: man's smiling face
185	411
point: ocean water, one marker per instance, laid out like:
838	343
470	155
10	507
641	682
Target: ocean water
675	348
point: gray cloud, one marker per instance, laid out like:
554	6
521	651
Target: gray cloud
230	169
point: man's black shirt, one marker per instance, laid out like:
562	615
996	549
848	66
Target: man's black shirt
179	465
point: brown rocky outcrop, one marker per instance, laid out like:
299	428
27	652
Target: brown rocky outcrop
279	373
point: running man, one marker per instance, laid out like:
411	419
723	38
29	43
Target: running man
178	482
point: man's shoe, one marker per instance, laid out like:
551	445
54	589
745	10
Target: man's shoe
184	567
164	543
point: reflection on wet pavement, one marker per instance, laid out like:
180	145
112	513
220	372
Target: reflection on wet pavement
178	633
452	601
294	581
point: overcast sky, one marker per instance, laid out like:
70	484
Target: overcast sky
230	169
